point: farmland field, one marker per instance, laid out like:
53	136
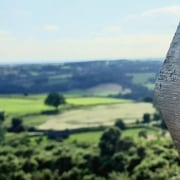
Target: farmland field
22	105
32	106
98	115
85	112
16	106
94	101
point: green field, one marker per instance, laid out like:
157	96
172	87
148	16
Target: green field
22	105
16	106
94	137
33	105
94	100
85	112
88	137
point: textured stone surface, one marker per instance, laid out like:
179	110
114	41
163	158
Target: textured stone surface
167	89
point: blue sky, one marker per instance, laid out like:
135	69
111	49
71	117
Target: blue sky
62	30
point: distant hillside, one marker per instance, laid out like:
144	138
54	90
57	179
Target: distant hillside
123	78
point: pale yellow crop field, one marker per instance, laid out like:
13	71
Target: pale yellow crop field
98	115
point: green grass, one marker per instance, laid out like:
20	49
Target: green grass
94	100
88	137
16	106
134	132
94	137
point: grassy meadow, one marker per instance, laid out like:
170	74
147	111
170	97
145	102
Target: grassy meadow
17	106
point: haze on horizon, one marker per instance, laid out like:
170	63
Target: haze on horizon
61	30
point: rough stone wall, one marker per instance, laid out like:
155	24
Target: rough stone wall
167	89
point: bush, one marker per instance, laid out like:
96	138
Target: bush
125	144
119	162
16	125
142	134
120	124
146	118
2	116
109	140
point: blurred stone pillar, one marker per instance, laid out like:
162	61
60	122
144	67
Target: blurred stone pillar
167	89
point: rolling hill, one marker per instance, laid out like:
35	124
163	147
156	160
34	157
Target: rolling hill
120	78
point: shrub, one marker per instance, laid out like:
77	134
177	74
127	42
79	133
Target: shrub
120	124
109	140
17	125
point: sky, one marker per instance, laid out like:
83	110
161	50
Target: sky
67	30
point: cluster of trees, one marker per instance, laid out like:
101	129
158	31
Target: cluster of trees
114	157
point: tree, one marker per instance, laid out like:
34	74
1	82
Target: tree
17	125
2	130
120	124
156	117
146	118
148	99
109	141
2	116
54	99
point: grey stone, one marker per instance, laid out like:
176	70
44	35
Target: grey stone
167	89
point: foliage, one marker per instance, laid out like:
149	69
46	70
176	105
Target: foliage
55	99
156	116
116	157
148	99
2	116
146	118
2	129
16	125
108	141
2	133
119	123
143	134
